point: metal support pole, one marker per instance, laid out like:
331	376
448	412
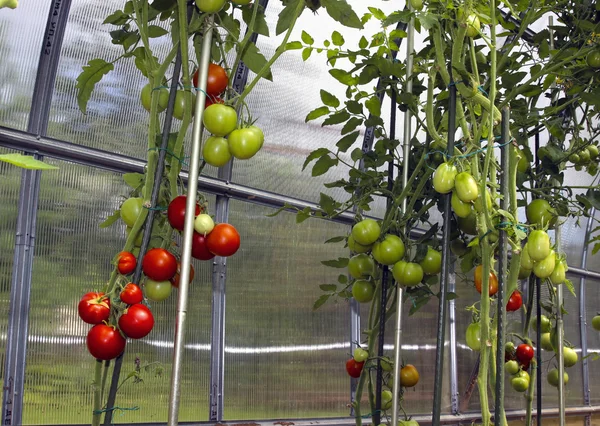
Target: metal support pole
444	276
503	270
454	393
20	290
583	319
188	230
560	333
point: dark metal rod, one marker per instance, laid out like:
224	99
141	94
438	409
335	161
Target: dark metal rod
538	284
502	269
446	258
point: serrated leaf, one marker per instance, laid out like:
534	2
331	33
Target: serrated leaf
317	153
347	141
328	287
342	12
570	286
356	154
323	165
232	26
306	38
134	180
255	61
163	5
377	13
363	43
335	239
343	279
351	125
294	45
327	204
154	31
320	301
111	219
316	113
306	53
343	77
507	215
373	104
302	215
337	39
86	81
286	16
118	17
26	162
260	24
340	262
336	118
329	99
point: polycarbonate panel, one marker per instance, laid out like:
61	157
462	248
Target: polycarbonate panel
282	359
592	296
21	37
10	184
73	256
554	421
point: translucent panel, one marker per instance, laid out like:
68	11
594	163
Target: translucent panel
73	256
553	421
592	296
21	37
281	358
10	184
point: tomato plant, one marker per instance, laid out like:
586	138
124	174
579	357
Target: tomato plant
354	368
493	280
137	321
176	212
409	376
131	294
94	308
388	251
515	301
159	264
223	240
105	342
220	120
216	151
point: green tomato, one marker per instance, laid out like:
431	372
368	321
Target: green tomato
360	355
519	384
570	357
241	2
574	158
539	212
466	187
509	347
544	268
511	367
468	224
460	208
593	151
219	119
596	323
584	157
357	248
559	274
386	399
593	59
432	262
146	98
204	224
538	245
179	106
552	377
554	339
417	5
407	274
362	291
545	324
366	232
523	165
216	151
386	364
388	251
157	291
526	261
473	336
444	177
244	143
130	210
545	342
524	273
210	6
478	205
473	26
361	266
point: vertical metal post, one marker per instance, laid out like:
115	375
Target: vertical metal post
188	230
503	271
583	320
445	273
20	291
538	295
410	47
454	394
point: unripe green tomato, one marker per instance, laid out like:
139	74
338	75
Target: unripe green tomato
362	291
593	151
539	212
596	323
388	251
478	202
473	336
545	324
511	367
417	5
458	247
544	268
592	169
361	266
130	210
366	232
241	2
203	224
552	377
526	261
524	273
574	158
210	6
519	384
460	208
584	156
432	263
468	224
523	165
473	26
570	357
509	347
360	355
386	399
578	167
444	177
545	342
538	245
146	98
558	275
216	151
357	248
466	187
407	274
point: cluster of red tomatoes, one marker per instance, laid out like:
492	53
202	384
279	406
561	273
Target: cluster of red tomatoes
365	241
517	363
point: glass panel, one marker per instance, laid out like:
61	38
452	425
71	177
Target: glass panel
10	184
592	295
282	359
73	256
21	37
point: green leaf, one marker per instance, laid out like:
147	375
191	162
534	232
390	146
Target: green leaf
154	31
303	214
336	118
316	113
347	141
337	39
117	18
507	215
354	107
306	53
317	153
351	125
336	239
428	20
86	81
321	301
134	180
328	204
293	45
373	104
111	219
328	287
340	262
343	77
128	8
377	13
323	165
260	24
286	16
26	162
342	279
329	99
232	26
342	12
363	43
570	286
255	61
163	5
593	197
306	38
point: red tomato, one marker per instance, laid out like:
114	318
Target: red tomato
127	263
493	281
199	248
524	353
137	321
105	342
176	212
515	301
217	80
176	277
94	308
159	264
132	294
354	368
223	240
